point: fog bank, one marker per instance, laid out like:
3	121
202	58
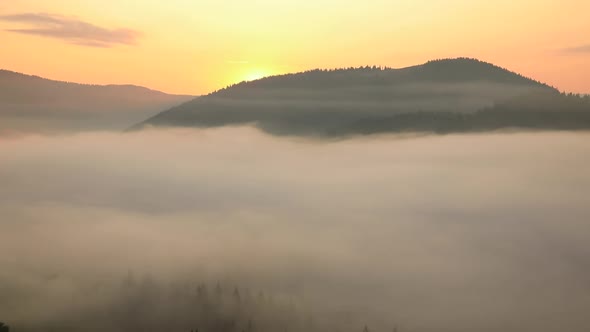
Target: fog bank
447	233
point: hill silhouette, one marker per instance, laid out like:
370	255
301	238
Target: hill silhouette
441	96
34	104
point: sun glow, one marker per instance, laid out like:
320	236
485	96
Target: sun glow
255	75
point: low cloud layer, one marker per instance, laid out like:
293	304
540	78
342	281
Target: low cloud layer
445	233
71	30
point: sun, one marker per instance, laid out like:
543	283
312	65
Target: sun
255	75
249	74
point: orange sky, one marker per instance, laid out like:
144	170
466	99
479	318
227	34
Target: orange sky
196	46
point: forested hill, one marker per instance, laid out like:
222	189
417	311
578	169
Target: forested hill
342	101
445	71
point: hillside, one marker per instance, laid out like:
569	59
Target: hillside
351	101
34	104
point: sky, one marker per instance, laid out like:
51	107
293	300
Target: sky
198	46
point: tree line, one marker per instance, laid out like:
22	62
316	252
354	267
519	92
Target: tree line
143	305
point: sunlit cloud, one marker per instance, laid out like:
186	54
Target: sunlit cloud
71	30
577	49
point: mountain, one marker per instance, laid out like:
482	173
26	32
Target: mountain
34	104
442	96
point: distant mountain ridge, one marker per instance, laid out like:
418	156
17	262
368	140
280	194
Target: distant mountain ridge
34	104
9	74
354	100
